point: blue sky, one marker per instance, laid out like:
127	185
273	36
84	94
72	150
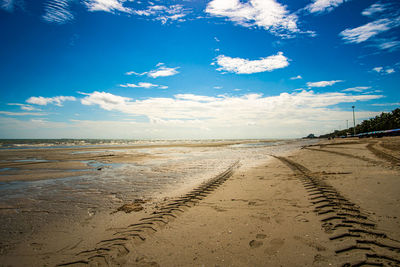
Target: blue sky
195	69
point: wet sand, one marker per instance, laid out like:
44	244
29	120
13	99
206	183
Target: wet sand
330	204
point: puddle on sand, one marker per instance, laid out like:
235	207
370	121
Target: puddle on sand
6	169
30	160
100	165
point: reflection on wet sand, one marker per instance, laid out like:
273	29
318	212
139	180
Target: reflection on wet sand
45	185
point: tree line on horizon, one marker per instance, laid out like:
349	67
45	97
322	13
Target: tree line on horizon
384	121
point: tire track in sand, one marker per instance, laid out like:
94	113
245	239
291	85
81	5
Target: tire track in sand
383	155
110	251
358	241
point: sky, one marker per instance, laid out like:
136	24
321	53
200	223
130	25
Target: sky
195	69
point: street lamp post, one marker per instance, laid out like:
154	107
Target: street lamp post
354	121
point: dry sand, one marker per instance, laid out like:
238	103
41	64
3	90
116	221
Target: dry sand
333	204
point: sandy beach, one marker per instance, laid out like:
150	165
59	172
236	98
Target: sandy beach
334	203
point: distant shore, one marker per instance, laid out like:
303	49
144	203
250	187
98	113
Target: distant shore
333	203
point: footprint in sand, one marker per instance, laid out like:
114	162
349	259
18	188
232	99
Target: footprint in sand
257	243
261	236
275	245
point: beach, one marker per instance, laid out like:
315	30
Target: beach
298	203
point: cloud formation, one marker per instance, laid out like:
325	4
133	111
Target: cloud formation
320	6
365	32
298	77
107	6
357	89
160	71
246	66
374	9
105	100
8	113
135	73
58	11
143	85
201	116
164	13
382	70
163	71
232	108
323	83
386	19
23	106
386	104
43	101
267	14
388	44
7	5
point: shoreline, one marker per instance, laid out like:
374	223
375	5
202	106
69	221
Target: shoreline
31	210
259	215
36	164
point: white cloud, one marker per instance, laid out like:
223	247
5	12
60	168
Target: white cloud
298	77
267	14
8	5
189	116
135	73
373	9
164	13
369	30
323	83
245	66
389	71
190	106
382	70
200	116
389	44
40	121
320	6
23	106
43	101
162	71
193	97
386	104
57	11
105	100
387	19
143	85
357	89
22	113
107	6
378	69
